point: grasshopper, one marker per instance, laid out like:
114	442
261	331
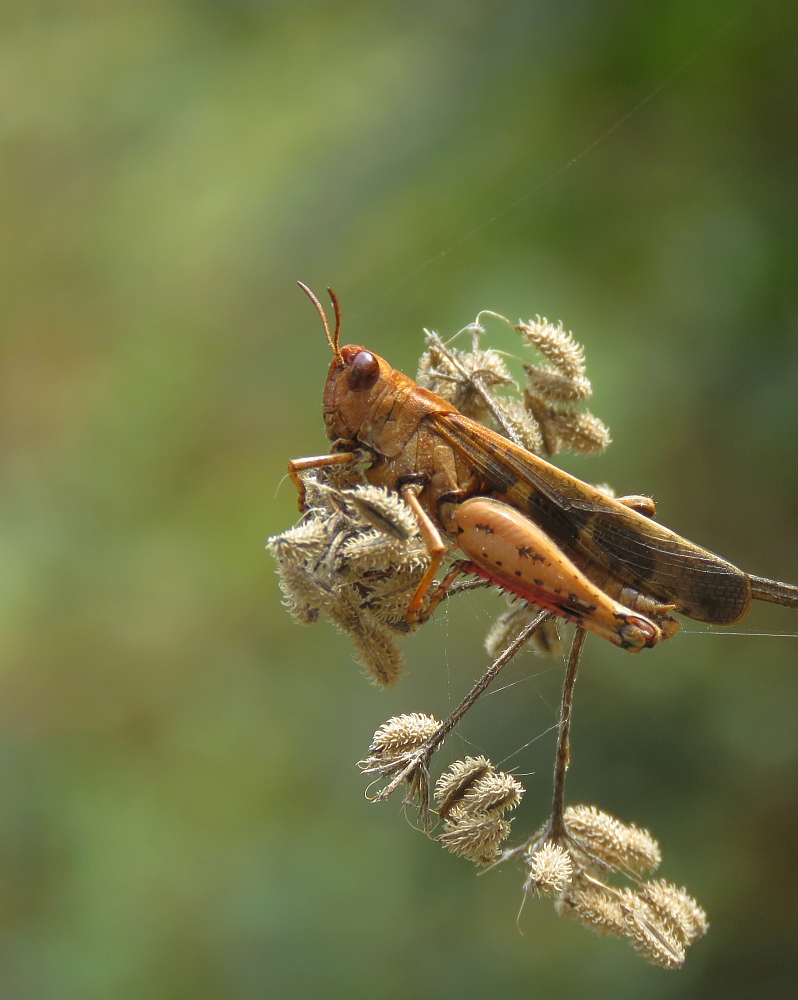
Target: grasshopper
523	524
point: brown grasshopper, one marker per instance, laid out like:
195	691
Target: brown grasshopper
523	524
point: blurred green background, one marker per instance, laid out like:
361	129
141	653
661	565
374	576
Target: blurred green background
180	812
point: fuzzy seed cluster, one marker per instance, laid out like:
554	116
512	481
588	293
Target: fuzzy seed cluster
472	798
356	557
658	919
543	418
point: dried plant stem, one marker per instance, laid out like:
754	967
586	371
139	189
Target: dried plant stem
488	677
406	768
556	823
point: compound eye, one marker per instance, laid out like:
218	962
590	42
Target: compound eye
363	372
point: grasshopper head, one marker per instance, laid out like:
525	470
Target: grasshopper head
356	380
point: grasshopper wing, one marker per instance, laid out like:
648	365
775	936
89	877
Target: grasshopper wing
633	548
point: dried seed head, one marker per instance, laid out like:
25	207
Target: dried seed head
471	798
383	510
469	381
401	734
463	378
375	647
549	870
552	390
371	558
623	913
305	593
570	430
518	424
658	919
598	908
686	920
398	753
476	837
473	786
376	650
301	594
495	792
357	556
320	482
547	387
556	344
651	936
451	787
544	421
612	843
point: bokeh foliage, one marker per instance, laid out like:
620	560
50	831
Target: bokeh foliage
180	815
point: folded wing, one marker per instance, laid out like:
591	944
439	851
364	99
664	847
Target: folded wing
635	549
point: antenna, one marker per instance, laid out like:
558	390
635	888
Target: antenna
332	339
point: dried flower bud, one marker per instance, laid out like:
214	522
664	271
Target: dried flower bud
545	387
321	483
612	843
296	550
659	919
470	380
549	870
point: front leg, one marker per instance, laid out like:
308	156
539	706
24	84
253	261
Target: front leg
297	465
434	543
